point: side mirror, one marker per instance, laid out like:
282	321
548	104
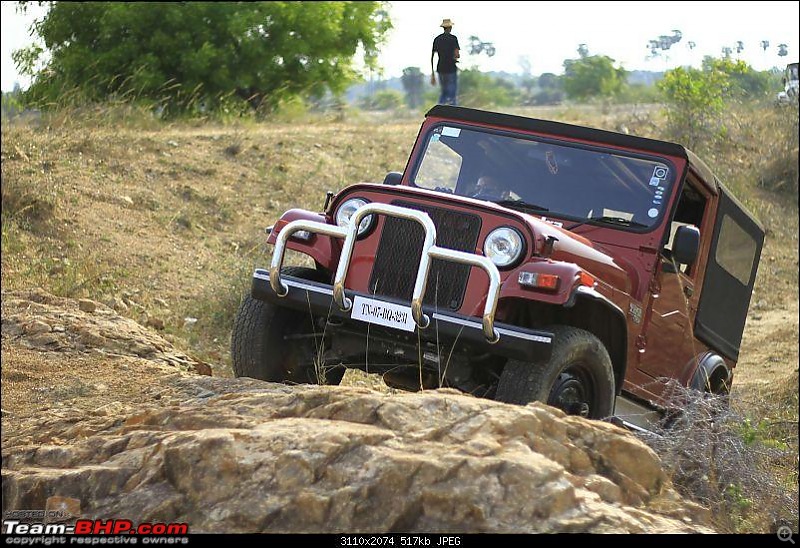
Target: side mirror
686	244
393	178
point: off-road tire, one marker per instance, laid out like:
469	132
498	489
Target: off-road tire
579	358
258	347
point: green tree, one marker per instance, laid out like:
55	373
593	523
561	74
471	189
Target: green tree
744	81
548	80
551	90
695	99
413	83
385	99
478	89
592	76
11	101
201	53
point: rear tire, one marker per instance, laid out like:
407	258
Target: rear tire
260	350
578	378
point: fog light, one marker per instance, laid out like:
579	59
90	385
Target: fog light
538	280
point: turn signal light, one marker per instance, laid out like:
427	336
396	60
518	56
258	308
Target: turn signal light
538	280
586	279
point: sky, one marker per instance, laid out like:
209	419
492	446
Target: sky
543	34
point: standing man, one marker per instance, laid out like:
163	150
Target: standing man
446	45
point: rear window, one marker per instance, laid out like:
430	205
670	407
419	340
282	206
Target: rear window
736	250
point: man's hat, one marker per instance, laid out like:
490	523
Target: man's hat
446	23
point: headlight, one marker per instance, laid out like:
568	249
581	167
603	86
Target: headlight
504	246
346	211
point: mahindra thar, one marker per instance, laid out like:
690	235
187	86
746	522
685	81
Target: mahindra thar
515	259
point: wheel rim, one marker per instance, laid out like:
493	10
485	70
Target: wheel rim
573	391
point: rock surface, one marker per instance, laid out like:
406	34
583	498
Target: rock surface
42	321
239	455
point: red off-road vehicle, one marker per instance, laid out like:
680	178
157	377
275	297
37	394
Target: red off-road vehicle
515	259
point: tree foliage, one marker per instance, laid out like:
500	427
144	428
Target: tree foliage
194	54
413	83
479	90
592	76
384	99
743	80
697	97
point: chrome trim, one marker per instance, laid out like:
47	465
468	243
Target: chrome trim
631	426
459	321
266	277
500	330
429	251
526	336
278	286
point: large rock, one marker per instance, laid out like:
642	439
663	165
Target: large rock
238	455
38	320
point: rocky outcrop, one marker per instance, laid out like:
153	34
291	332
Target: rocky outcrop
238	455
40	321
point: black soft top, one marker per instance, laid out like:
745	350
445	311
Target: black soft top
464	114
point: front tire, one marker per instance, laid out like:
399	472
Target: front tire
260	348
578	378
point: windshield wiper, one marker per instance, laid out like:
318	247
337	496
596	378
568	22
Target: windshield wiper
610	220
521	204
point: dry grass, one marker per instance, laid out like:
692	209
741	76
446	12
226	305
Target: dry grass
735	456
171	219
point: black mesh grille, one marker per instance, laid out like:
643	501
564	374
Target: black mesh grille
397	260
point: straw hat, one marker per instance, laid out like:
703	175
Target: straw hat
446	23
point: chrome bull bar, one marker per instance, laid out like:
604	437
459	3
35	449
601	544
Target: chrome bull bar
429	251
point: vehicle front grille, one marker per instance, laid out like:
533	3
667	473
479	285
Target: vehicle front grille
397	260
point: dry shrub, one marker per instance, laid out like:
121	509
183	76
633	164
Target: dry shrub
743	469
780	171
25	203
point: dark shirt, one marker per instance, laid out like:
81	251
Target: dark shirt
446	45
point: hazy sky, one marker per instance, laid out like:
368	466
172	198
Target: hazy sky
549	32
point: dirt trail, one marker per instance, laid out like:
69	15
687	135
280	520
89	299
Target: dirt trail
769	356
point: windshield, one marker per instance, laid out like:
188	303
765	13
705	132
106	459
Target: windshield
565	180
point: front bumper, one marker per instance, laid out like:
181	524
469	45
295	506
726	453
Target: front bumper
429	252
463	332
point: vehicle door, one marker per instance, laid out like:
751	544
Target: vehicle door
668	343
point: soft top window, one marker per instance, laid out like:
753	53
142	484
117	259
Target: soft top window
736	250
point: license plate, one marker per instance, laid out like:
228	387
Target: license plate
383	313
